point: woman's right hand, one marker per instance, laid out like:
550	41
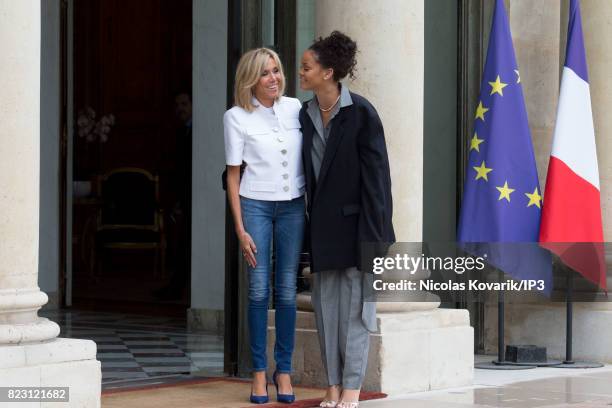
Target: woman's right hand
248	248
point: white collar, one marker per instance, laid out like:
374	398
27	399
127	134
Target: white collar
256	103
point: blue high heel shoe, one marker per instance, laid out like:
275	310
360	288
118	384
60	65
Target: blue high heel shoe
260	399
284	398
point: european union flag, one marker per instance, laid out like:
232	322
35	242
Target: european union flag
502	198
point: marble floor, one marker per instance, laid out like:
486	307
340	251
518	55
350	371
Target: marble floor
135	350
140	350
540	387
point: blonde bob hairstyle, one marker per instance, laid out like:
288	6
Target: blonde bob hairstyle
250	67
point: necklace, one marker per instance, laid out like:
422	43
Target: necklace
331	107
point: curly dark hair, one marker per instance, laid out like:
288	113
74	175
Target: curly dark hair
337	51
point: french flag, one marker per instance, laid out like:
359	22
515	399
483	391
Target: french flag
571	224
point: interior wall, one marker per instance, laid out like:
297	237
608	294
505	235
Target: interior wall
49	236
208	203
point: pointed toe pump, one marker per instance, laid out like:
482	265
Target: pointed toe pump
260	399
284	398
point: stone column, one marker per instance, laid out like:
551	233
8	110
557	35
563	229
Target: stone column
390	37
597	26
20	297
599	59
30	353
417	347
535	30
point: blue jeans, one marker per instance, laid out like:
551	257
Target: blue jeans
282	221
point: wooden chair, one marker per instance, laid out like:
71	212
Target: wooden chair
130	217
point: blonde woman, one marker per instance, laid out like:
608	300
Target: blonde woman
263	131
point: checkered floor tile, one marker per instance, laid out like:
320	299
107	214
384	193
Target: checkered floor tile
133	347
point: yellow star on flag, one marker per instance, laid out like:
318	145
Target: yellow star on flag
534	199
475	143
505	191
497	86
482	171
480	111
518	76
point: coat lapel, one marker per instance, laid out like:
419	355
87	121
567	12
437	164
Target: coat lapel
307	134
335	138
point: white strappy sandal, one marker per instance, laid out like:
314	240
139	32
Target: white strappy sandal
326	403
348	404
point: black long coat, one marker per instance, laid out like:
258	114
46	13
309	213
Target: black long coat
351	202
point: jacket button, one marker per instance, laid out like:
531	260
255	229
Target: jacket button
275	129
286	188
281	139
285	164
284	151
285	176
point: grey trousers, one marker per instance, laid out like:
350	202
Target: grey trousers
344	323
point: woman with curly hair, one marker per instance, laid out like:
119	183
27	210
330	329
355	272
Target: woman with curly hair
348	190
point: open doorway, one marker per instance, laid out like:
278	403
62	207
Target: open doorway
131	161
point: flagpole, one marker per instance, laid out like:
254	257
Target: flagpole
500	328
501	363
569	317
569	329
